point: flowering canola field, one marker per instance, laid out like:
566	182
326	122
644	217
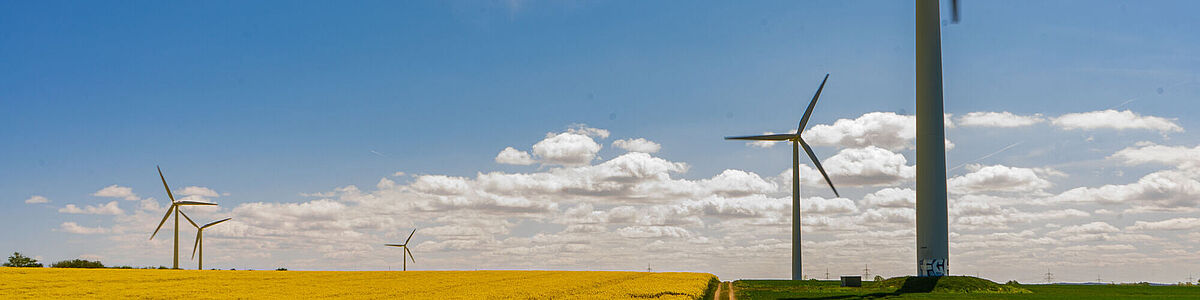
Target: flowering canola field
136	283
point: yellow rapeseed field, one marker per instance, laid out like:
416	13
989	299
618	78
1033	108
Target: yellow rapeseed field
135	283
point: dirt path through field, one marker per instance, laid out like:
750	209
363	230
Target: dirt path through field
717	293
729	286
724	291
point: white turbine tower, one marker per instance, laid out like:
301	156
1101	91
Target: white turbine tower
933	232
797	142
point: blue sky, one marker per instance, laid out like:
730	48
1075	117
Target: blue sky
265	101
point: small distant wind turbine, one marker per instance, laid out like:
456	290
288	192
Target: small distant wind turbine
797	140
199	245
407	254
174	208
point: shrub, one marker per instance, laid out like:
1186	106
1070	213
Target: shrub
77	263
878	278
281	269
1012	282
18	260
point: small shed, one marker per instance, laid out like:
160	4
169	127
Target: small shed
851	281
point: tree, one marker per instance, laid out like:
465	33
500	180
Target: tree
878	278
77	263
18	260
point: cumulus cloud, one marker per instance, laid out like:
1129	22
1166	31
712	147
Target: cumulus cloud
891	197
198	191
1089	228
880	129
1161	190
998	178
1151	153
637	145
116	191
1171	224
867	166
1113	119
512	156
72	227
567	148
110	208
35	199
998	119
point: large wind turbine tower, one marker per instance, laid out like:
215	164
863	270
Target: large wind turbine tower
933	235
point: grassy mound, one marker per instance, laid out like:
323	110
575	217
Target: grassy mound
949	284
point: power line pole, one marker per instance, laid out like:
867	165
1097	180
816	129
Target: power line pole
866	272
1049	277
826	273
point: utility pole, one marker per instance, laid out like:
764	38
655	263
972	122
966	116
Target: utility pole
866	272
826	273
1049	277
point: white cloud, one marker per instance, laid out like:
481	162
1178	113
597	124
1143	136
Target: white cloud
583	129
880	129
71	227
1089	228
1161	190
637	145
110	208
1171	224
198	191
998	178
116	191
36	199
1113	119
653	232
738	183
891	197
512	156
568	149
1147	152
861	167
998	119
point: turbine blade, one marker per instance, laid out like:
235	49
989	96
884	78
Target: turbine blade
189	219
410	236
197	244
394	245
819	168
187	202
164	180
769	137
164	221
410	256
808	112
954	11
215	223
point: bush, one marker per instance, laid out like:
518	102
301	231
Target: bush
878	278
77	263
1012	282
281	269
18	260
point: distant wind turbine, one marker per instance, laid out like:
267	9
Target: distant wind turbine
199	245
407	254
174	208
797	140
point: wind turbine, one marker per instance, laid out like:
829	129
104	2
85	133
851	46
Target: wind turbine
933	232
407	254
797	142
174	208
200	239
